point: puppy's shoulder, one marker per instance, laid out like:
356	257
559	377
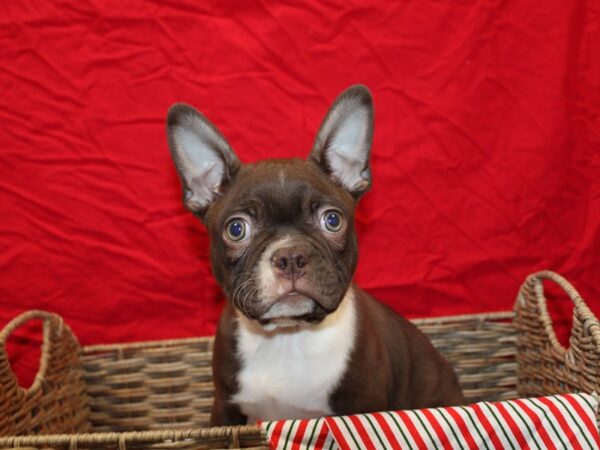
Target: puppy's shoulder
226	363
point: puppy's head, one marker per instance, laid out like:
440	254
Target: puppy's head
283	245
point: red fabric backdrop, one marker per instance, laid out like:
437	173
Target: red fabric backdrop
486	157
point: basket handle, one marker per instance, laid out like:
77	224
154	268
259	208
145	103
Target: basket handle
581	310
53	327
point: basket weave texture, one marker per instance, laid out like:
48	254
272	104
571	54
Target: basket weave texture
159	394
545	367
56	401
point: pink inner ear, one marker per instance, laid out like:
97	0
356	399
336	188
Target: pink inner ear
345	140
347	170
198	154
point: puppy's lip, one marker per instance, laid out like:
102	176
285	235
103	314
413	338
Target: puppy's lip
292	295
292	305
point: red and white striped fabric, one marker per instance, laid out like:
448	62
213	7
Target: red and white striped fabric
558	422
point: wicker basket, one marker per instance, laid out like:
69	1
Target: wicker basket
159	394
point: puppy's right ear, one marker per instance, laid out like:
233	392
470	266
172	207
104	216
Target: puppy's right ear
203	158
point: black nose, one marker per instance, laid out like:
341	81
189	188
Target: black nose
290	262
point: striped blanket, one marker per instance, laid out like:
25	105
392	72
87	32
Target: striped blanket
558	422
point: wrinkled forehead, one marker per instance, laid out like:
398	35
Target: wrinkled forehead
282	190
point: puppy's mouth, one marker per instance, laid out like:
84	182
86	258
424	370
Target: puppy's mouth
292	308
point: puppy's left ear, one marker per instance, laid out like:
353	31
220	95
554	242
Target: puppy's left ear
343	144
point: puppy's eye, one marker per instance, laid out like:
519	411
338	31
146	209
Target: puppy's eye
237	229
331	220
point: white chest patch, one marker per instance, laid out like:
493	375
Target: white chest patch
289	373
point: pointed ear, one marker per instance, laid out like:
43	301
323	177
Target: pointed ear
343	144
203	158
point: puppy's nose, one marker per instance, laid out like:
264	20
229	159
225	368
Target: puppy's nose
290	262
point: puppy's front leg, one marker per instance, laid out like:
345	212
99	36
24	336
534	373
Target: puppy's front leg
225	370
225	413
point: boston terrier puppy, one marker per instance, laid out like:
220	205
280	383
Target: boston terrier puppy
297	339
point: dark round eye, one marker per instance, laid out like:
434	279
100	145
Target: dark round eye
237	229
331	220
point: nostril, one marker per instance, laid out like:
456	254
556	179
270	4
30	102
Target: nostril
300	261
280	263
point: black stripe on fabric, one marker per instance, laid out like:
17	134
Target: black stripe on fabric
374	430
312	433
526	425
287	438
474	426
423	425
550	421
399	427
501	426
575	421
451	428
350	431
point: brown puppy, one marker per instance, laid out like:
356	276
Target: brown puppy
298	339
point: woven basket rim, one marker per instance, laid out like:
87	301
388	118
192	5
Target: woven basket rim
52	323
580	308
149	436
